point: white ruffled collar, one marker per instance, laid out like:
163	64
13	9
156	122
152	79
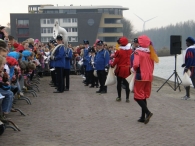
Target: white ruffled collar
143	49
192	46
127	47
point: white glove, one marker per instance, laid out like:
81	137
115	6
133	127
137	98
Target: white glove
132	70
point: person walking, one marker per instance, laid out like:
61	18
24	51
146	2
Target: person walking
143	66
189	64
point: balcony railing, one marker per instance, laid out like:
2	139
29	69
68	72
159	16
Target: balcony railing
22	25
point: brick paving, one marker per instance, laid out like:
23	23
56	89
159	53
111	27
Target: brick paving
80	117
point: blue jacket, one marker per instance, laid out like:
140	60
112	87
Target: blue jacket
68	58
190	60
26	54
102	59
89	66
85	55
15	55
59	57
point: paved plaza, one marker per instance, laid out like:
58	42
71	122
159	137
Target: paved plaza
81	117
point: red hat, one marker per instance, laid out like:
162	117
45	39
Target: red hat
16	45
11	61
123	41
20	48
144	41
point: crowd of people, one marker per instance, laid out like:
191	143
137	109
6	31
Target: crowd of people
25	59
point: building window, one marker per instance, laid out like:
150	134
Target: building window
72	12
112	21
46	30
73	39
110	30
34	8
23	22
74	29
46	39
101	30
20	40
100	10
47	21
106	11
23	31
50	21
111	11
116	12
68	29
67	20
110	39
74	20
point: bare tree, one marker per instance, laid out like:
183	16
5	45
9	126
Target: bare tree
128	29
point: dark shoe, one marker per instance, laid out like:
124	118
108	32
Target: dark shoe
97	86
98	91
118	99
53	86
86	84
66	89
103	92
58	91
149	115
141	120
127	100
91	86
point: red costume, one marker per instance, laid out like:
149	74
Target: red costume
122	60
144	66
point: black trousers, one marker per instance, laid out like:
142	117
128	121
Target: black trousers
88	77
119	81
143	105
92	79
67	78
53	77
84	68
102	74
1	113
60	78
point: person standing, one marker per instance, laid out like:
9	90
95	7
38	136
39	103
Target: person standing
85	56
51	64
68	58
189	64
101	65
122	63
143	66
58	55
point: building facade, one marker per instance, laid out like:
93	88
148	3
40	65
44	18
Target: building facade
81	22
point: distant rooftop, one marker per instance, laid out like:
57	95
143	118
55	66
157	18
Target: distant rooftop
85	7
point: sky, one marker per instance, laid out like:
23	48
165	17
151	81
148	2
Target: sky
167	11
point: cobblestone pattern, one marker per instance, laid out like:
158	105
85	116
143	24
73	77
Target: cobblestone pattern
81	117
